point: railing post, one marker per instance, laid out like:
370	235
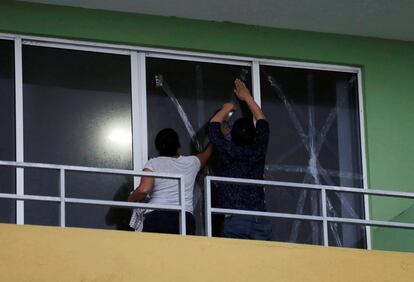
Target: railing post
367	216
207	191
182	204
62	198
324	217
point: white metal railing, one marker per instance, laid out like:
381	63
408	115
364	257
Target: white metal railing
324	218
62	199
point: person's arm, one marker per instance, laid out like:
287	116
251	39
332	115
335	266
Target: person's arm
262	136
223	113
144	188
243	94
205	155
214	132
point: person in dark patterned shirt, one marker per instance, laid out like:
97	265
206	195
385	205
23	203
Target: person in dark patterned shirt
241	157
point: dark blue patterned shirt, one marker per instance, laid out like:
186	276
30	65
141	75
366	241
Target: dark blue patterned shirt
240	161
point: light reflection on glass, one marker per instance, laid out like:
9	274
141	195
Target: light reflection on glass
120	136
77	111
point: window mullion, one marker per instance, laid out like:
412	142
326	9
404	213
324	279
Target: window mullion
19	127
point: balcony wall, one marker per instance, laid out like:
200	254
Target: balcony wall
34	253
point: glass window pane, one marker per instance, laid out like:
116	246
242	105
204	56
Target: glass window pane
77	111
7	113
347	235
77	107
42	213
294	194
93	216
199	90
297	231
342	204
98	186
346	205
7	179
7	211
7	185
315	138
317	114
7	129
42	182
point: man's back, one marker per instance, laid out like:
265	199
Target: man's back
240	161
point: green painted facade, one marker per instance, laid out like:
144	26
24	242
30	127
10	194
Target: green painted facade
388	74
395	239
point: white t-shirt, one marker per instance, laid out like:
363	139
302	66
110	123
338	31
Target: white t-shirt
166	191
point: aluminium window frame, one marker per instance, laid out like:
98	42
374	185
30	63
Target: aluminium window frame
138	55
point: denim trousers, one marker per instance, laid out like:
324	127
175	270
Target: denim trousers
247	227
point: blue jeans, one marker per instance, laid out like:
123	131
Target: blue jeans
247	227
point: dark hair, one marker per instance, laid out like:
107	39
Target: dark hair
167	142
243	132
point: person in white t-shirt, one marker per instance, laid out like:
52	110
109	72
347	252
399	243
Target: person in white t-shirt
166	191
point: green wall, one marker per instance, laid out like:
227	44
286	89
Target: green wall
393	238
388	69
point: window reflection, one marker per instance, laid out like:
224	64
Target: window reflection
77	111
314	124
188	94
7	125
73	100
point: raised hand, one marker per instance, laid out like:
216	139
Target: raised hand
241	90
243	93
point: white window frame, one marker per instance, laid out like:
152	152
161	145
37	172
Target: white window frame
139	96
